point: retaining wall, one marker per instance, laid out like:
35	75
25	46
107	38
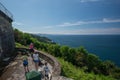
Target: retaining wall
6	36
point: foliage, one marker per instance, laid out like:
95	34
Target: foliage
75	73
64	51
54	50
42	39
93	62
25	38
71	53
19	45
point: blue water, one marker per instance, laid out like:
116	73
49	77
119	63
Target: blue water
107	47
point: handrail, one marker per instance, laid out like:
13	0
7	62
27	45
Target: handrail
5	11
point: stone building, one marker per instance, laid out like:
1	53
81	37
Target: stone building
6	33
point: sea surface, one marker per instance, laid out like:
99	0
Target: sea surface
107	47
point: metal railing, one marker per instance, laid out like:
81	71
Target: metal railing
5	11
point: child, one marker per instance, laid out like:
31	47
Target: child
48	74
25	63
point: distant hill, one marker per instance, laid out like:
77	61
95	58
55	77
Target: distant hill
42	38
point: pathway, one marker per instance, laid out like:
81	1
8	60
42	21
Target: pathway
15	70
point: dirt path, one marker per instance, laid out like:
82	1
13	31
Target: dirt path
15	70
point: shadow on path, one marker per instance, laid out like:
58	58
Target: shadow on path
15	69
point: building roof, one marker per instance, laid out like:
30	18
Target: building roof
4	11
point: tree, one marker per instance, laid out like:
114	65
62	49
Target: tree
107	67
80	56
93	62
57	50
64	51
71	55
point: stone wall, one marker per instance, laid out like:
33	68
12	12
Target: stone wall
56	66
49	58
53	61
6	36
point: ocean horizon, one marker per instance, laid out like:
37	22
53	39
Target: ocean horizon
106	47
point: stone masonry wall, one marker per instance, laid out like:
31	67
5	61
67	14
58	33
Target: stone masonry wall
50	59
6	36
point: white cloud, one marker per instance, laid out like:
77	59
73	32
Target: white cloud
17	24
53	28
99	31
83	1
78	23
85	31
105	20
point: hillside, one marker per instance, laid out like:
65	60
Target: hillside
42	38
77	63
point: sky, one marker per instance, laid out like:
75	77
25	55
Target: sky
65	16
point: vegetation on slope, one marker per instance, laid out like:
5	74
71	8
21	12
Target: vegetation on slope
42	39
76	73
79	57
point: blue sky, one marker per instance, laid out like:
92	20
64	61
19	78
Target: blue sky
65	16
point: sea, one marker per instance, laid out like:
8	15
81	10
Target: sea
106	47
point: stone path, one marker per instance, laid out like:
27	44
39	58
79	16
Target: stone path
15	70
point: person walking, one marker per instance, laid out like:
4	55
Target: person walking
31	48
25	62
36	60
48	74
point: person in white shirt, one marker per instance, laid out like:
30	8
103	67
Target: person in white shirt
36	60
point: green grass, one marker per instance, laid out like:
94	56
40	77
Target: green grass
18	45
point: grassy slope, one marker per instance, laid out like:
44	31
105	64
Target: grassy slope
71	71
